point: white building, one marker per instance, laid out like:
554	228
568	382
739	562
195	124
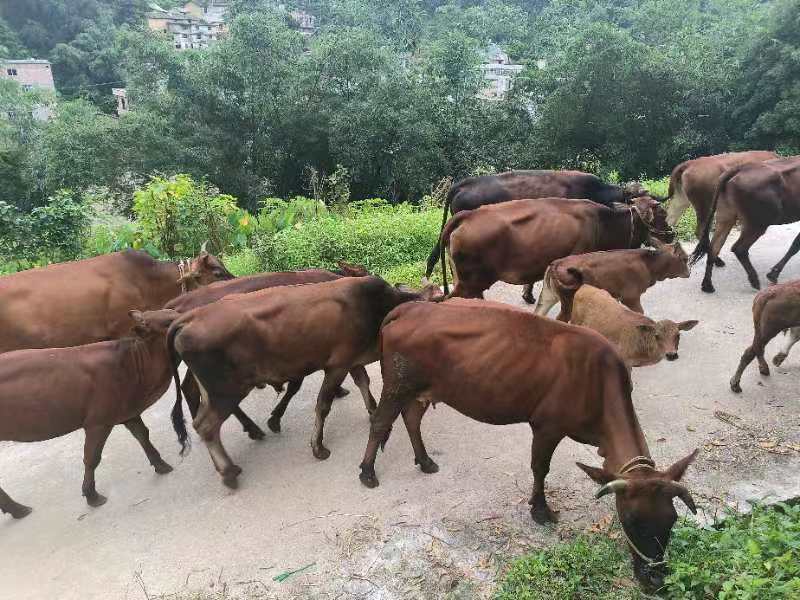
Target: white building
194	26
498	72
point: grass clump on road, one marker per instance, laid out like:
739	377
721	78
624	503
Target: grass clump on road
752	556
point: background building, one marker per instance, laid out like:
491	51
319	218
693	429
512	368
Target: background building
29	73
498	73
195	25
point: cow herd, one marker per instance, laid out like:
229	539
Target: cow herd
92	344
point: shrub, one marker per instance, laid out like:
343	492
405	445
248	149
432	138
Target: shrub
370	233
49	233
245	262
686	226
410	274
177	215
755	556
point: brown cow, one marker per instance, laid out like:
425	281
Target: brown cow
625	274
474	192
47	393
245	285
87	301
516	241
695	182
275	336
501	365
639	340
760	195
775	309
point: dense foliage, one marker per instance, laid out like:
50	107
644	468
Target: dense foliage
389	93
755	556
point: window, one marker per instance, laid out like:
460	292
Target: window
12	72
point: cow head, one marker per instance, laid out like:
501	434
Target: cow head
204	269
654	218
430	292
678	263
347	269
632	190
646	512
667	335
153	323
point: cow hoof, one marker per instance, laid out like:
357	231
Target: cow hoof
773	277
230	481
708	288
735	387
718	262
764	370
321	452
274	424
427	465
370	481
257	433
18	511
342	392
162	468
96	500
528	298
542	515
779	358
755	284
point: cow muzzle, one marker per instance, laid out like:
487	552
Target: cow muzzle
672	356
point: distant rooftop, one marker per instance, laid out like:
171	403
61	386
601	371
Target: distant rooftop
24	61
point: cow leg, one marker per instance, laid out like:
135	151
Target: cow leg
274	422
527	293
359	375
542	449
761	338
793	335
776	270
333	379
192	394
139	430
750	233
16	510
92	453
547	299
397	392
412	417
724	225
222	462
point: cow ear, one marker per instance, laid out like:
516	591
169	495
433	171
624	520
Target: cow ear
600	476
687	325
676	471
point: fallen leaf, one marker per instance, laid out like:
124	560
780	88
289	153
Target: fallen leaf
718	443
690	428
767	444
661	440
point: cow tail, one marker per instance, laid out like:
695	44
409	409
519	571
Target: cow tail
437	248
675	179
178	422
704	244
567	287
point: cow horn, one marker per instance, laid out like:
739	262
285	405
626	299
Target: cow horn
681	491
615	486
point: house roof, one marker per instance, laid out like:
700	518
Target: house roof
24	61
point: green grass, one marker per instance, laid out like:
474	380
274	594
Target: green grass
754	556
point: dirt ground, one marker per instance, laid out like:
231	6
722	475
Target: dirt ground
416	536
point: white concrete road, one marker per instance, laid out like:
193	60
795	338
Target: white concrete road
416	536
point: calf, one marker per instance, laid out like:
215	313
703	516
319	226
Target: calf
516	241
639	340
48	393
244	285
775	309
625	274
275	336
501	365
